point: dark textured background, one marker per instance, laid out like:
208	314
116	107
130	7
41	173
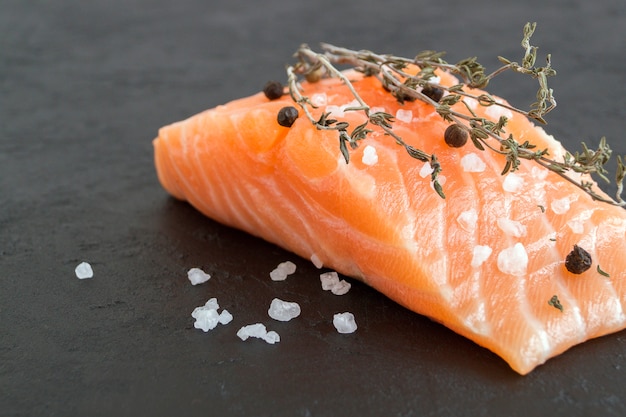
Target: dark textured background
84	86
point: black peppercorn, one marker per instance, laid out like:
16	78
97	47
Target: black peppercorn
455	136
432	92
578	260
273	90
287	115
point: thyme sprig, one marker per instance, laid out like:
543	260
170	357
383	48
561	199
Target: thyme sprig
397	75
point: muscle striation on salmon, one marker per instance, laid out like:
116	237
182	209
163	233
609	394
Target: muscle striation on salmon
488	261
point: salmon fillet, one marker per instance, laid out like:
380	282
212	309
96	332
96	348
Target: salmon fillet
486	261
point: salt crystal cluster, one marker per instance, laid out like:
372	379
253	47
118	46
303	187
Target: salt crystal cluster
330	282
283	310
207	316
344	323
370	157
283	270
197	276
83	271
259	331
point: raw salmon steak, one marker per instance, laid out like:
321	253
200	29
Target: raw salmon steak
488	261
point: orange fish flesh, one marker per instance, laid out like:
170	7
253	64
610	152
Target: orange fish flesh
487	261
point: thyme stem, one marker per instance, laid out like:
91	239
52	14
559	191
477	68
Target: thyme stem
390	71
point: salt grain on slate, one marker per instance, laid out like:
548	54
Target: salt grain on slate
330	282
283	310
207	317
259	331
283	269
344	323
83	271
197	276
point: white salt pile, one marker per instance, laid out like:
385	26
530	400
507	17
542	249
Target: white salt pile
344	323
370	157
259	331
283	310
83	271
330	282
283	269
197	276
207	316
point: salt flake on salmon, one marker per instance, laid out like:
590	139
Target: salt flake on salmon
474	226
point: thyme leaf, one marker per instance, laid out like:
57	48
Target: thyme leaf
554	302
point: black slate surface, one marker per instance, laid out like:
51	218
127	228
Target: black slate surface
84	86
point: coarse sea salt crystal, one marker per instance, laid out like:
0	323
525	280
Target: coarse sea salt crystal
83	271
511	227
330	282
283	270
344	323
513	183
560	206
472	163
513	260
197	276
495	112
370	157
283	310
467	220
317	262
259	331
319	99
426	170
480	255
405	116
335	111
207	317
376	109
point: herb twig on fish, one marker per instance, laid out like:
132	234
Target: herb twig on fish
394	73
